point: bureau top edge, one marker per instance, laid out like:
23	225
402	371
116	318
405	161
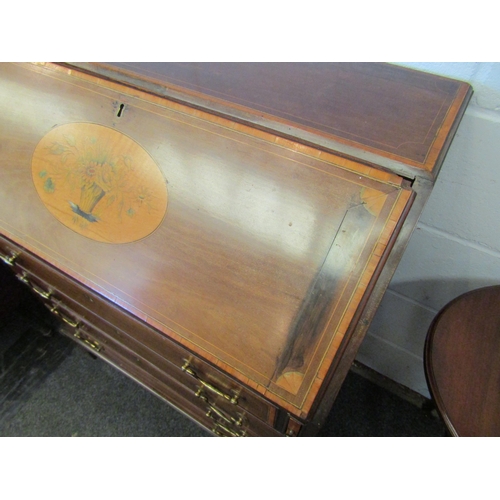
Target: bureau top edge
399	119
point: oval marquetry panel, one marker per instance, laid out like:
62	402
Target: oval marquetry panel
99	182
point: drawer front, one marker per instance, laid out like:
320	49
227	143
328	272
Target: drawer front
198	406
96	334
59	290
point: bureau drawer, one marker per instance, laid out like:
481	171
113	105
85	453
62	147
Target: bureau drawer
198	406
152	346
84	321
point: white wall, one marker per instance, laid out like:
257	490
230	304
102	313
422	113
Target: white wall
456	244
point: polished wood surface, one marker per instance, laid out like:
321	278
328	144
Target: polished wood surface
264	253
392	111
223	242
100	322
462	359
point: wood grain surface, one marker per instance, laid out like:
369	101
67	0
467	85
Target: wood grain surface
462	359
394	112
263	255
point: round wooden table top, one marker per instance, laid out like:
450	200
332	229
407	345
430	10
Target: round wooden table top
462	363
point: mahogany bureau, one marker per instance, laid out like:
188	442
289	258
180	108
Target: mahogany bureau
221	233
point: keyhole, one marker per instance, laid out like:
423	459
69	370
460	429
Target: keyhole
120	110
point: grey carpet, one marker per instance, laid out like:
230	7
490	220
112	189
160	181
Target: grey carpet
49	386
87	397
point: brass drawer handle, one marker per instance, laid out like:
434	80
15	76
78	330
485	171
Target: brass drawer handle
211	410
92	344
68	321
219	427
10	260
232	399
24	278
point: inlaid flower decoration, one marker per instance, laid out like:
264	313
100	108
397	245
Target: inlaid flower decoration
98	175
102	177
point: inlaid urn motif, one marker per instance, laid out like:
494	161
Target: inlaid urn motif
99	182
